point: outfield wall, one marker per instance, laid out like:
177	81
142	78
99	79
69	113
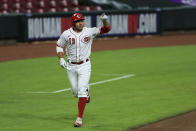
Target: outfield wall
46	28
37	27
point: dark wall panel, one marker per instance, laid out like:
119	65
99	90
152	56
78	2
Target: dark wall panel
9	26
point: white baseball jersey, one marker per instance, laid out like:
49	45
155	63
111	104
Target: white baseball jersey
78	45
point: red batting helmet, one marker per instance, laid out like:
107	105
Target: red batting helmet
76	17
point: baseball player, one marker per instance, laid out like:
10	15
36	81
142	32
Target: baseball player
77	41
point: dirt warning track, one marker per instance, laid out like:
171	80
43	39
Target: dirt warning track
44	49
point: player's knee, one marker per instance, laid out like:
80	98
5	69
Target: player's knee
83	92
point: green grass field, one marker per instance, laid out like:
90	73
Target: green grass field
163	86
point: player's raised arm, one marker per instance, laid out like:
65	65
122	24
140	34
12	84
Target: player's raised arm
106	25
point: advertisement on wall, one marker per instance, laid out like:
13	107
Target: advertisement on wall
44	28
48	28
143	23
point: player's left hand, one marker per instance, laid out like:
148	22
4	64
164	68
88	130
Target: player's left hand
63	63
103	17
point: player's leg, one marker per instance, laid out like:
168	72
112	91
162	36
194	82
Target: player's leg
83	80
83	90
73	79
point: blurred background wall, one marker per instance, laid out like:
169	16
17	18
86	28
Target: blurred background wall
38	20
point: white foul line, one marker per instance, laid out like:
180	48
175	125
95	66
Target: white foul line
114	79
95	83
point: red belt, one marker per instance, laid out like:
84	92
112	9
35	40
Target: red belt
80	62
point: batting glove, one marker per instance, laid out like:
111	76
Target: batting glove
63	63
103	17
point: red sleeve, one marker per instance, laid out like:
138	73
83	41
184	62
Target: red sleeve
104	29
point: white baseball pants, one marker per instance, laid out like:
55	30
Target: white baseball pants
79	76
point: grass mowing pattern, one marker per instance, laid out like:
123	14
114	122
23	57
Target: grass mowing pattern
164	86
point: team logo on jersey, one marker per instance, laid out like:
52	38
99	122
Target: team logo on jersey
86	39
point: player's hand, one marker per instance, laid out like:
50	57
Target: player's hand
103	17
63	63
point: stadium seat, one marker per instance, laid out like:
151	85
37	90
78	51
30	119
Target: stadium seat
96	8
63	3
65	9
4	8
76	9
17	11
74	3
16	7
40	10
40	6
52	10
53	3
53	6
28	7
85	8
29	11
5	12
